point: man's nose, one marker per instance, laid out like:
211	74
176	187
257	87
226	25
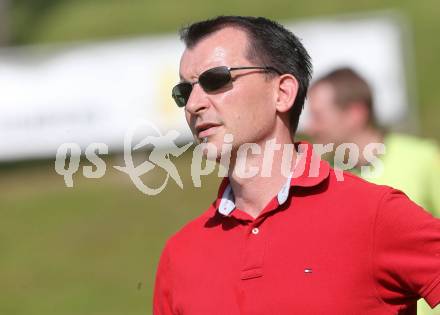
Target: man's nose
310	128
198	100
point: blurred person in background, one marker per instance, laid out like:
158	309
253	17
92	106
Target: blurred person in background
341	107
305	243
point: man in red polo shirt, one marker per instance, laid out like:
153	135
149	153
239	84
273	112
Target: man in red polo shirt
308	243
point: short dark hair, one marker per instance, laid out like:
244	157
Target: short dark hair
349	87
270	44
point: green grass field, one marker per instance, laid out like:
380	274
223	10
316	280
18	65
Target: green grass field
91	249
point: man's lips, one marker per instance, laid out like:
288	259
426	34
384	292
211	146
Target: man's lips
206	129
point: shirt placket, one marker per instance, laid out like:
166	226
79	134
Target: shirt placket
254	250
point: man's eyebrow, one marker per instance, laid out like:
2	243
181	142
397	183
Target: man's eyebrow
182	79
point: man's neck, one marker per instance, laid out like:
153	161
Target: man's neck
370	135
254	193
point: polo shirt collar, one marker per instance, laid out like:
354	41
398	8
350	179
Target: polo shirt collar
227	201
310	171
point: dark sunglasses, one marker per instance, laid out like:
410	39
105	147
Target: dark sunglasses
210	81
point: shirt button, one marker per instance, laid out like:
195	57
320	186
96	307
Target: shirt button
255	231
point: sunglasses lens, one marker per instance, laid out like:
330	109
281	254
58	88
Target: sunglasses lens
215	78
181	93
210	80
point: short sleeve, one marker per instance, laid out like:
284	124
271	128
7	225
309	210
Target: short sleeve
434	185
406	255
162	302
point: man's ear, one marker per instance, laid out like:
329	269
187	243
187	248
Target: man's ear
286	93
358	114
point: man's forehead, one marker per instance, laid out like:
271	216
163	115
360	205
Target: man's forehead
226	47
322	90
197	57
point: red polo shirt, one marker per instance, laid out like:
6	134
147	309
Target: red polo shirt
321	246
